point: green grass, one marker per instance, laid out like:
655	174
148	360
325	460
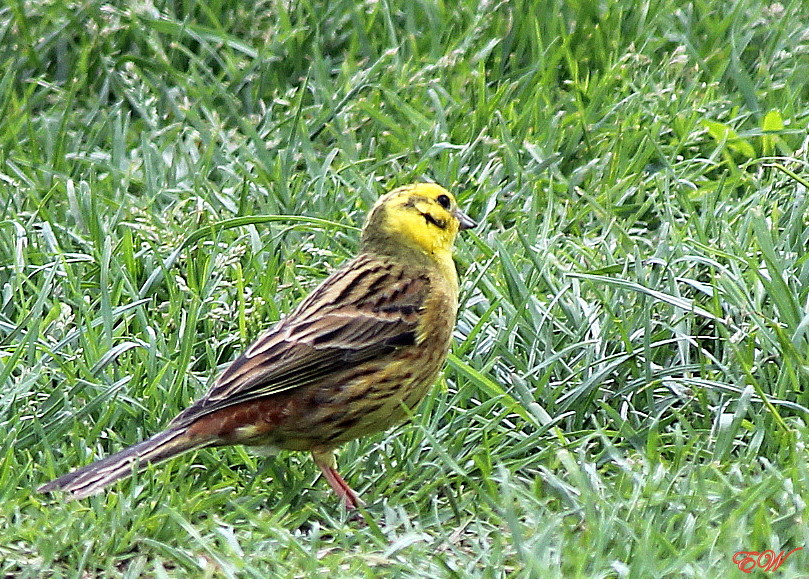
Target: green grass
628	393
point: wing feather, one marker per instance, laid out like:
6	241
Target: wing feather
365	310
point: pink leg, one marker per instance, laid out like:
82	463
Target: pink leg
325	461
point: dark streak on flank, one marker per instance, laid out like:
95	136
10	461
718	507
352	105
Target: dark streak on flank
348	422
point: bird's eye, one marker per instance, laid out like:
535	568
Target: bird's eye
443	201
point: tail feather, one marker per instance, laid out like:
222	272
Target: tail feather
92	478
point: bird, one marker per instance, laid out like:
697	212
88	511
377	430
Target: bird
355	357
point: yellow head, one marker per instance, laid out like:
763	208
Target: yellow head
422	217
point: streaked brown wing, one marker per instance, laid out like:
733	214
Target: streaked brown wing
365	310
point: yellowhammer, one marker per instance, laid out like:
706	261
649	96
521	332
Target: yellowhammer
366	344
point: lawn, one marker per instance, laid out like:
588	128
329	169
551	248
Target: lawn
628	392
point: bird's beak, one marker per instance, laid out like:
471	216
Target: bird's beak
465	221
